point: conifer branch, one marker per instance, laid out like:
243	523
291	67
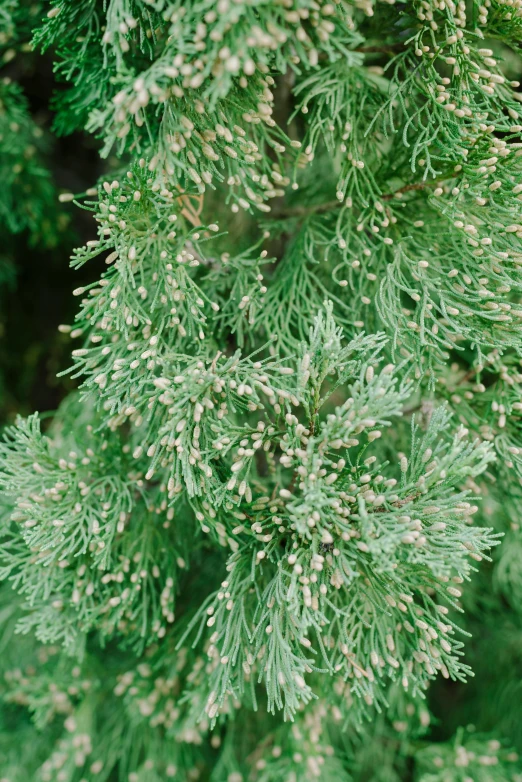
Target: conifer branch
235	552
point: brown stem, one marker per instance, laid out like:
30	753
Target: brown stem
391	49
355	665
304	211
408	188
191	211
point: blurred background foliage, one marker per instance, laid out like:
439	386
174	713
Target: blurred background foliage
38	232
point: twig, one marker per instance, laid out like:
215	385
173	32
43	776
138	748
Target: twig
355	665
390	49
304	211
189	211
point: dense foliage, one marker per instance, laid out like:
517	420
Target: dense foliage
275	530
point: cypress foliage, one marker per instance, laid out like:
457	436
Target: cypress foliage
275	530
